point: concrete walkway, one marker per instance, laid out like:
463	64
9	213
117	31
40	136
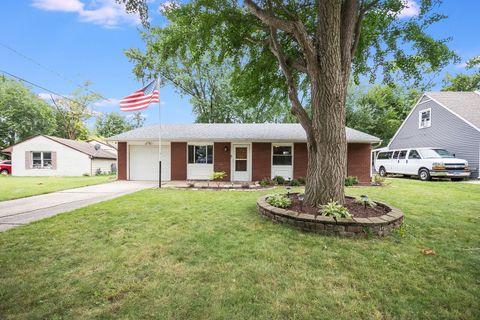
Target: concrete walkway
18	212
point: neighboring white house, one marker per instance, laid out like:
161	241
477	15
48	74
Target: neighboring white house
52	156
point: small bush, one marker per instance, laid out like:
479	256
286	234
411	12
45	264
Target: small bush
218	176
278	180
333	209
350	181
279	201
265	182
294	183
301	180
86	175
369	203
378	180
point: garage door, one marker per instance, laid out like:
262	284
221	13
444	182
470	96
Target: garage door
143	162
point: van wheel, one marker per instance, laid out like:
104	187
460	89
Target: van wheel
4	172
424	174
382	172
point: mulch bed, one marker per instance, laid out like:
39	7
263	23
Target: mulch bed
356	210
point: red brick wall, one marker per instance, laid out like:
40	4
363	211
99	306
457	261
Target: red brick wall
261	160
122	161
221	158
300	160
358	161
178	160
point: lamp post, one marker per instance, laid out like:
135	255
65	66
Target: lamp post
364	198
300	197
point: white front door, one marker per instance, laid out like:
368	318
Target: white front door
143	162
241	162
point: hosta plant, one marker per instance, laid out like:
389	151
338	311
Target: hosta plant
333	209
279	201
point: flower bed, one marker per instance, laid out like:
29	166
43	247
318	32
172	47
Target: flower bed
380	225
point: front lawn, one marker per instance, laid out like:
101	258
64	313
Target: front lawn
183	254
20	187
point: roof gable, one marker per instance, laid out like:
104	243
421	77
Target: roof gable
465	105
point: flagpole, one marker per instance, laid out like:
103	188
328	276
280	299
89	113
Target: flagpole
159	138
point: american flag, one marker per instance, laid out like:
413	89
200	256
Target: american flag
140	99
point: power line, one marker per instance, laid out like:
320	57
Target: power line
49	69
36	85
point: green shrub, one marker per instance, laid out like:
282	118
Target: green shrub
294	183
218	176
278	180
301	180
333	209
350	181
378	180
369	203
265	182
279	201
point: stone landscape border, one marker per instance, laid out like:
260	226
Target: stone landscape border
352	227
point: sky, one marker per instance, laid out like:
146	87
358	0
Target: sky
59	44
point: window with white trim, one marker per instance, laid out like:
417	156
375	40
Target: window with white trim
200	154
282	155
424	118
41	160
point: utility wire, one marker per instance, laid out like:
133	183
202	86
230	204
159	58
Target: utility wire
49	69
36	85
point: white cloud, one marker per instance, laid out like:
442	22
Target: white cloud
47	97
462	65
59	5
411	9
107	13
110	102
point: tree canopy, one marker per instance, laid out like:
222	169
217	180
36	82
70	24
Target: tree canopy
22	113
462	81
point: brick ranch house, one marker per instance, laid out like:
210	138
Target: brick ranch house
246	152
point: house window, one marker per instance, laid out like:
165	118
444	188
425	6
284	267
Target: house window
282	155
425	118
42	160
202	154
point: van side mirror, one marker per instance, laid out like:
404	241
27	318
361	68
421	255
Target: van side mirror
453	155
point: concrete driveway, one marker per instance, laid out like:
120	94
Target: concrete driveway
18	212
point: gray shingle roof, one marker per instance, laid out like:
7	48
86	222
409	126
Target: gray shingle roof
84	147
230	132
465	104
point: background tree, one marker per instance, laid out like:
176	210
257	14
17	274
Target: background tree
315	47
22	113
110	124
379	110
73	112
137	120
210	87
462	81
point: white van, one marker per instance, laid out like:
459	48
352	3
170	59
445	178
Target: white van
424	162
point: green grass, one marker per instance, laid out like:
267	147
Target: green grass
183	254
20	187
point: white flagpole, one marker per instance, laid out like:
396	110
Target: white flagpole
159	137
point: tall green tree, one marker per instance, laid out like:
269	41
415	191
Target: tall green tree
310	50
209	85
379	110
22	113
110	124
462	81
137	120
72	112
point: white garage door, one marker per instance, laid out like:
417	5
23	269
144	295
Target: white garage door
144	163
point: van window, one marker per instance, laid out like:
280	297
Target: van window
382	156
414	154
389	155
395	154
403	154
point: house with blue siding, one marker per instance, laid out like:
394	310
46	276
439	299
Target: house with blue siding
448	120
